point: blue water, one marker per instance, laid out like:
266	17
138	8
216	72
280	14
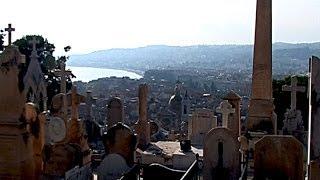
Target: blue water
87	74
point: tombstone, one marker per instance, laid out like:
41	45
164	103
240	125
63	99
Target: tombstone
63	73
114	112
120	145
278	157
34	79
260	115
314	125
16	152
37	126
76	132
143	126
201	122
234	118
225	108
221	158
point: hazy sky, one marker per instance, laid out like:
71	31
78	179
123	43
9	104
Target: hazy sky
89	25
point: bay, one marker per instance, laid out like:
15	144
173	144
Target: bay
86	74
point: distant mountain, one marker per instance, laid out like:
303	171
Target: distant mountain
286	57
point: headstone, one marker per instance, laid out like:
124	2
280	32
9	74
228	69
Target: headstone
314	107
234	118
278	157
63	73
76	131
261	103
114	112
221	158
201	122
120	145
143	125
225	108
16	152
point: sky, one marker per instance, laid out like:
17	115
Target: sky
91	25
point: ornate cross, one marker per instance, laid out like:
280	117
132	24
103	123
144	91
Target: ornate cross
225	109
294	89
9	29
76	99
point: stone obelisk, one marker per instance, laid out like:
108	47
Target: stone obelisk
261	102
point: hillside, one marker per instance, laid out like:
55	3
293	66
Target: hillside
286	57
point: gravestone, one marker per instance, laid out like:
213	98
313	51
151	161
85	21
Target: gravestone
225	108
16	152
314	125
114	111
120	145
143	125
234	118
201	122
260	115
76	132
221	158
278	157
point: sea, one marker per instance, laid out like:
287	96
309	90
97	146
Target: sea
86	74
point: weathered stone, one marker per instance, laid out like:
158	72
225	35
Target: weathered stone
221	156
314	171
201	122
16	152
225	108
315	108
234	118
261	104
278	157
120	144
114	112
143	125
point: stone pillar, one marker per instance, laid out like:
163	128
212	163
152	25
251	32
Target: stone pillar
261	103
234	118
314	107
114	112
143	125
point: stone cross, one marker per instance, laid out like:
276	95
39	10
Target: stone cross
76	99
34	43
294	89
63	73
9	29
225	109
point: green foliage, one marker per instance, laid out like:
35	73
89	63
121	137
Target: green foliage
282	99
44	50
1	40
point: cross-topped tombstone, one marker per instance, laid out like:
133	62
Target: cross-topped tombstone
9	29
225	109
63	73
294	88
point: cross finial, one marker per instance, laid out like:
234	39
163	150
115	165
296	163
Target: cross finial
225	109
9	29
34	43
294	88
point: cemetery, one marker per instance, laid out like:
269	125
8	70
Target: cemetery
55	134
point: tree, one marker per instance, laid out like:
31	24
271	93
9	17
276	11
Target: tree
1	39
44	50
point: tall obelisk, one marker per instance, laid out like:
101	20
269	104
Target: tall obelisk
261	103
